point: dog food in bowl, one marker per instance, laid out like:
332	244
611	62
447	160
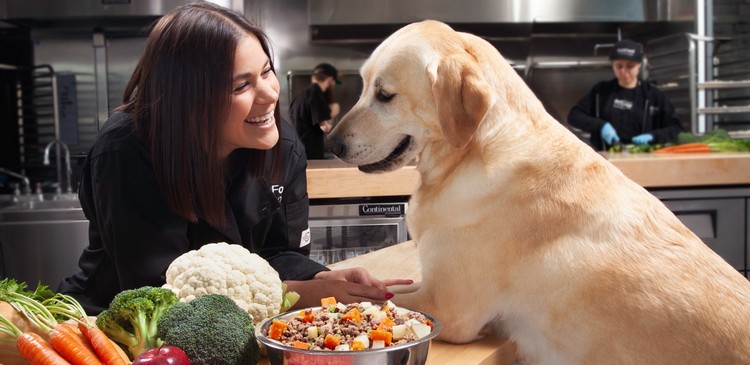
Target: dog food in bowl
358	333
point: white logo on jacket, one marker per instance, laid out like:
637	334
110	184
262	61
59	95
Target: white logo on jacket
305	239
277	191
622	104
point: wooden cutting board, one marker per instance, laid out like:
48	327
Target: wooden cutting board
401	261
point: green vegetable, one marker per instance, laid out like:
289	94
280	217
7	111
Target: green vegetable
718	140
132	317
212	330
9	287
289	298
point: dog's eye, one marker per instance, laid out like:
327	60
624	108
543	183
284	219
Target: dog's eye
384	96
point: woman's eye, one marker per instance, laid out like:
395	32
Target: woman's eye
267	72
241	87
384	96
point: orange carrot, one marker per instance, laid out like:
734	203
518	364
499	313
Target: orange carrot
301	345
37	351
107	351
385	324
71	346
381	335
327	302
73	333
695	147
352	315
306	316
331	341
277	328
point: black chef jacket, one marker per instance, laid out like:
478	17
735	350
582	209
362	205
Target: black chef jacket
307	110
133	236
644	109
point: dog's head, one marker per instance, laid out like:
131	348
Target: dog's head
422	85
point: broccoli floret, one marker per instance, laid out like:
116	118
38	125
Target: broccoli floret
132	316
212	330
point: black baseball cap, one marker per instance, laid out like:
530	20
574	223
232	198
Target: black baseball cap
627	49
328	70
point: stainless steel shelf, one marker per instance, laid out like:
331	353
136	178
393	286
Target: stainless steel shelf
725	110
724	84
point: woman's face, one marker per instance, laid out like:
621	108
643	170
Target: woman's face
626	72
255	92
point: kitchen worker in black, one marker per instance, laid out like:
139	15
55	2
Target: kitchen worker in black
625	109
313	109
197	154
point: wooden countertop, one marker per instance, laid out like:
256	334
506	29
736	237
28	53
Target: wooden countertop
336	179
402	261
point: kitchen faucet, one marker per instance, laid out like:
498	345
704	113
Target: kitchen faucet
67	162
26	182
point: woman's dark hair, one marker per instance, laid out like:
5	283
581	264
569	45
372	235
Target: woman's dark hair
180	94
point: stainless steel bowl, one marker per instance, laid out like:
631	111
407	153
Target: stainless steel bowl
412	353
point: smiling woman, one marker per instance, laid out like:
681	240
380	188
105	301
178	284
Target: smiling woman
197	154
251	123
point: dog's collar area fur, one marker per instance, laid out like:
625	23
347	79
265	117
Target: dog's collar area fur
389	160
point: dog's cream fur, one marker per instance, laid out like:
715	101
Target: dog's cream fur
525	230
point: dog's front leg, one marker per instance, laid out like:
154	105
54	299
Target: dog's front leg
454	312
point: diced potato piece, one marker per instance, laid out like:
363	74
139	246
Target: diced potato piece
378	316
312	332
365	305
378	344
371	310
420	329
363	339
401	311
388	305
399	331
411	321
342	347
341	306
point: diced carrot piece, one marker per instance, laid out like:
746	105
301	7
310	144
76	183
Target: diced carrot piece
357	346
306	316
276	329
386	324
327	302
301	345
352	315
332	341
381	335
429	323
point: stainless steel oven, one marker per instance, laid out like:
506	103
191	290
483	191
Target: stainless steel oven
341	228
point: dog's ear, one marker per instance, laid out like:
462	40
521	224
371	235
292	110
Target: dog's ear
462	97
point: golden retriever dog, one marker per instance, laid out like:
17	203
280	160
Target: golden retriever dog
523	229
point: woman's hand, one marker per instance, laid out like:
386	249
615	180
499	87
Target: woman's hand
360	276
346	285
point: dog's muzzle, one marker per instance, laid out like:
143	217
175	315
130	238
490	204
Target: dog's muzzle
389	160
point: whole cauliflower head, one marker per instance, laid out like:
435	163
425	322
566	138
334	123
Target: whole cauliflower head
231	270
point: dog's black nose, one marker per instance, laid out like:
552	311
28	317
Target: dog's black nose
335	146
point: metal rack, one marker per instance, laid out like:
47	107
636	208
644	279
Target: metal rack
38	120
718	97
728	90
667	68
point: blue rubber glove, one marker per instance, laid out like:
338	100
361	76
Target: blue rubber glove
643	138
609	134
